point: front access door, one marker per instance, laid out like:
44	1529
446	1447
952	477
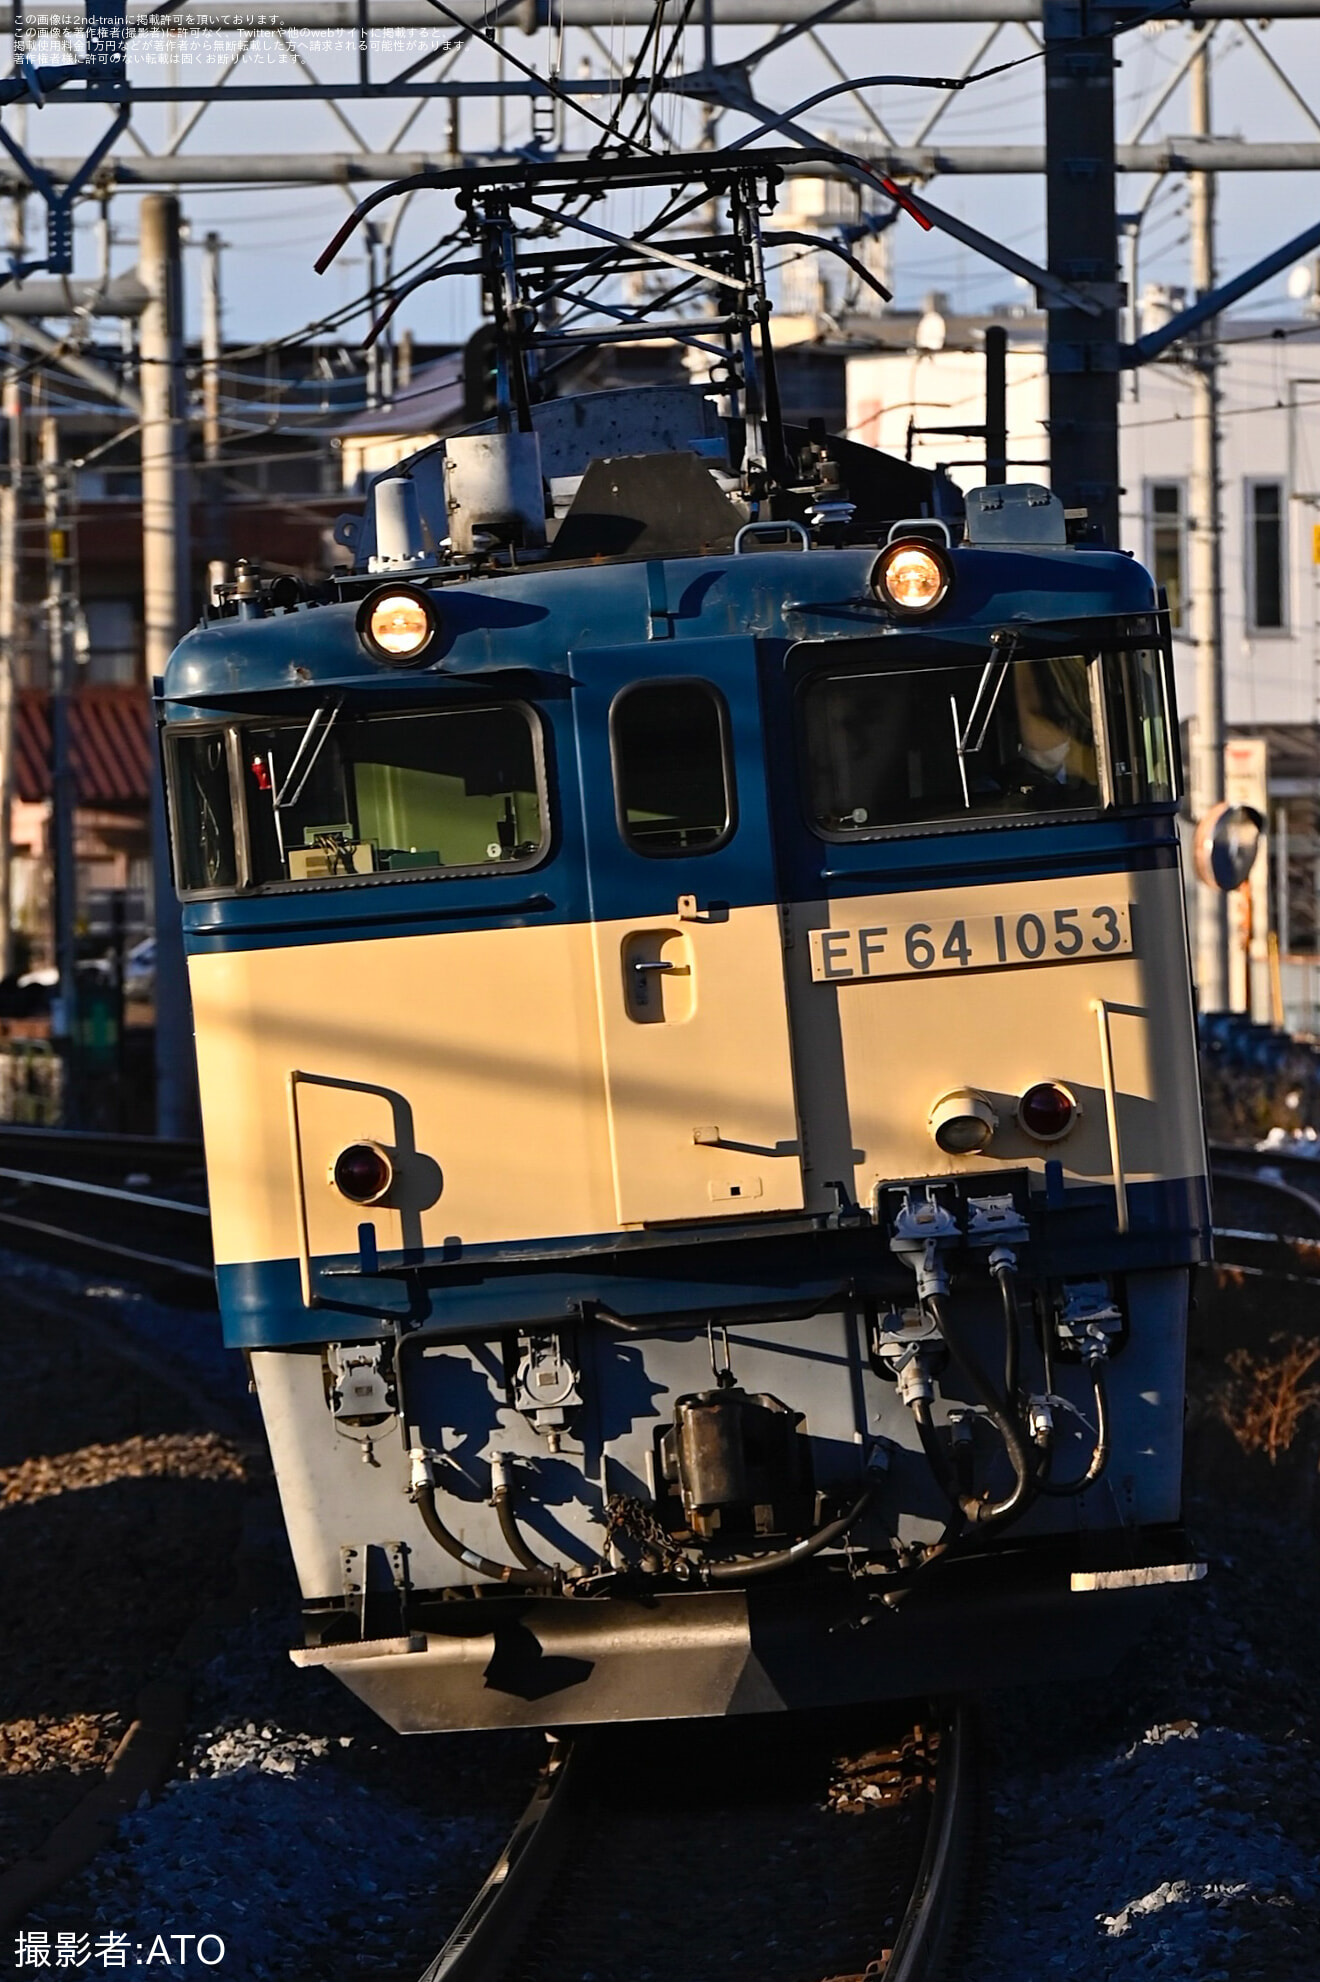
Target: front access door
687	932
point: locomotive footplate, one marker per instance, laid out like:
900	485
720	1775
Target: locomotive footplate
555	1661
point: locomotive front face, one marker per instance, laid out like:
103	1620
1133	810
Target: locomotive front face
662	1059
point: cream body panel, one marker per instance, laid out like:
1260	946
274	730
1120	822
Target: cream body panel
482	1043
873	1056
698	1066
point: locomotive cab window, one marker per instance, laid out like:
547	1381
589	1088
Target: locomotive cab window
337	796
673	779
203	811
891	748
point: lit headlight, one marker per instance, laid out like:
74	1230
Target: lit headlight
963	1122
912	578
397	624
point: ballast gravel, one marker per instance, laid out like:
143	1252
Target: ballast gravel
1165	1822
298	1868
315	1843
177	1455
119	1503
1159	1860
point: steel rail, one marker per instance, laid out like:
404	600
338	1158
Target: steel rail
99	1148
106	1246
54	1183
503	1914
1276	1185
156	1216
1285	1254
931	1920
1231	1158
488	1934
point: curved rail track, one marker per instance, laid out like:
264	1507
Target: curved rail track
671	1852
1267	1213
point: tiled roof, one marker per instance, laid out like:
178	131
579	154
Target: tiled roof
112	745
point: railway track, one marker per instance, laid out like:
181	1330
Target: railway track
832	1851
135	1204
1266	1213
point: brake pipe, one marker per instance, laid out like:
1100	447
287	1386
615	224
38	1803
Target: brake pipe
745	1566
421	1491
503	1496
1003	1265
981	1513
1065	1489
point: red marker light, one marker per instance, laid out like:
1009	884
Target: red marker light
261	773
1048	1110
362	1173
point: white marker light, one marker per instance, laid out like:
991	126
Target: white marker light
963	1122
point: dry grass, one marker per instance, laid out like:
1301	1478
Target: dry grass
1268	1401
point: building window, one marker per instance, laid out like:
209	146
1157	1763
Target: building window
1166	537
111	645
1267	562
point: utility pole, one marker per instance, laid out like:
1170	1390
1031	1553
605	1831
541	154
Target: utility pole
1205	555
60	603
165	567
211	349
373	243
996	403
11	512
216	520
1082	220
11	501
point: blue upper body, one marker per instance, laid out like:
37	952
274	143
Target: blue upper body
565	639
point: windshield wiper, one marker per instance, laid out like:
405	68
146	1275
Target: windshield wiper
310	745
968	740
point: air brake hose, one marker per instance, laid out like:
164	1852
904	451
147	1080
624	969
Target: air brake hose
423	1494
513	1541
742	1567
936	1455
1065	1489
980	1513
1003	1273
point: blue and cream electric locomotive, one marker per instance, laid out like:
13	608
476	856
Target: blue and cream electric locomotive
696	1051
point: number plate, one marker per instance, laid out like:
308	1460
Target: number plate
899	948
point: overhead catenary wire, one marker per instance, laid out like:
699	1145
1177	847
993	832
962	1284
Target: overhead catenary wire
552	88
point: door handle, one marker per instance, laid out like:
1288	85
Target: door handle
653	963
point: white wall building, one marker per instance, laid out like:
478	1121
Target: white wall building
1270	468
